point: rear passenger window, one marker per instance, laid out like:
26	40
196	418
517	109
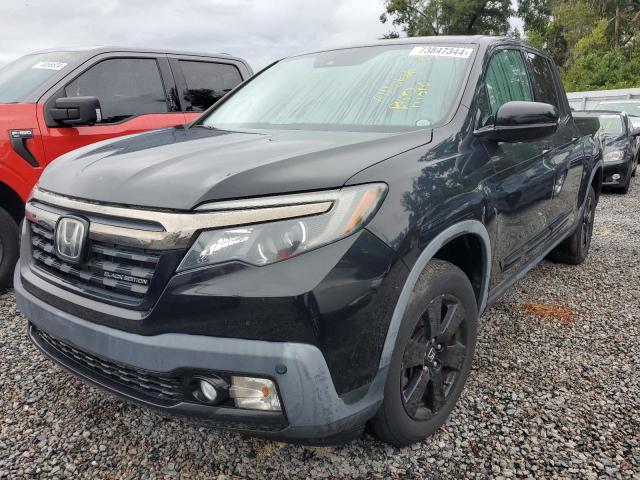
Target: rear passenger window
126	87
542	79
506	80
207	83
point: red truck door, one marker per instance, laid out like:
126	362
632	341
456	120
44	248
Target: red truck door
136	93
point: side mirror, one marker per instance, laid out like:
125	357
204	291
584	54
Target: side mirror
635	132
521	121
76	111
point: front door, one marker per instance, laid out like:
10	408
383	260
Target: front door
133	98
521	190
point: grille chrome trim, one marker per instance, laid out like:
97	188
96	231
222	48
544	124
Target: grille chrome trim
178	228
110	272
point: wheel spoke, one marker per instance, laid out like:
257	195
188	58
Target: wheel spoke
414	354
414	393
434	312
453	356
587	224
437	382
588	212
452	320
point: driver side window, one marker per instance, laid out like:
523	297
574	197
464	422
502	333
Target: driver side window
125	87
506	80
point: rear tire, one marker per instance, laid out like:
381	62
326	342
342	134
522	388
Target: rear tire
432	356
9	248
574	249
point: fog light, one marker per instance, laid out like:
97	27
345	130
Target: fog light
209	392
209	389
254	393
616	176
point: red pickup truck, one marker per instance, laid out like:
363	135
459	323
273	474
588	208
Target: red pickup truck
52	102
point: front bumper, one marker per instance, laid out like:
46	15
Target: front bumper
313	412
339	298
621	168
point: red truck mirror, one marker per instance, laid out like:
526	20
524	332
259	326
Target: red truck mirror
76	111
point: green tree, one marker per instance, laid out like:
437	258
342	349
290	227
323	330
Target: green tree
448	17
595	43
597	64
535	14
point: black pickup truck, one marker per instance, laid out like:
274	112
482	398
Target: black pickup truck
313	253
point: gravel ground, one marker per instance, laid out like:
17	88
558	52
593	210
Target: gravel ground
555	392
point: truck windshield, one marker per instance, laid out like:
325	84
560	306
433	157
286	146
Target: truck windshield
387	88
24	74
611	124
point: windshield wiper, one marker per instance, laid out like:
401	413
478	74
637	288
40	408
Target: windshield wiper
208	127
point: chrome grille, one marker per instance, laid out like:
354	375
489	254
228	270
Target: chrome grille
110	271
147	383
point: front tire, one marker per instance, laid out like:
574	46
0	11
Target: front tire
432	357
9	248
574	249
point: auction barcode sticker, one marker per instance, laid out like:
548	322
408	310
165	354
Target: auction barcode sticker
50	65
431	51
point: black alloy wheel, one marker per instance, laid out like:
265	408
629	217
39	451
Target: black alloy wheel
433	357
574	249
587	224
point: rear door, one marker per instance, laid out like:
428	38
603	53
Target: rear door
522	187
136	93
201	82
562	150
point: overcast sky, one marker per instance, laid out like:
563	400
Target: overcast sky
257	30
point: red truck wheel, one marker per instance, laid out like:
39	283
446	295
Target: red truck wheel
9	248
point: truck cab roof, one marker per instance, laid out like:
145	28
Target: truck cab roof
483	42
61	62
92	50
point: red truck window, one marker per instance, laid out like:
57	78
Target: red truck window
207	82
126	87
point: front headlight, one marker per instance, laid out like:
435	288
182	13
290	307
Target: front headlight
613	156
265	243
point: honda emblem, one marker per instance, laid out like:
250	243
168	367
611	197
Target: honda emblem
71	238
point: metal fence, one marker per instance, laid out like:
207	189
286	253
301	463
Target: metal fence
588	100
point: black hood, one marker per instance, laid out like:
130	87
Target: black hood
179	168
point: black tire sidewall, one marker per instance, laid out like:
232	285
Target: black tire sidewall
584	252
10	237
438	278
